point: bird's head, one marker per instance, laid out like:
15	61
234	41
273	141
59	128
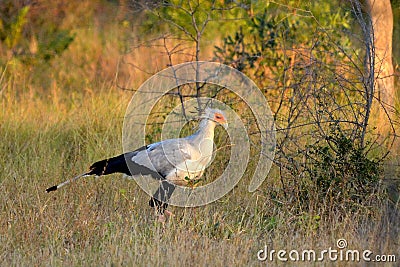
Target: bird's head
216	115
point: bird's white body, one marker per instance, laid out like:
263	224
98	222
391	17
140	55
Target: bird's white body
172	161
182	159
197	151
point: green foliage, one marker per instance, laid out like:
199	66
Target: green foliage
55	43
193	20
31	40
309	222
49	137
340	170
396	32
234	52
299	54
265	44
11	33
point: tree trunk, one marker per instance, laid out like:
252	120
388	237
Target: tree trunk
382	23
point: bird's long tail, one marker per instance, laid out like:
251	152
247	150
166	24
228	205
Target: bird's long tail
55	187
103	167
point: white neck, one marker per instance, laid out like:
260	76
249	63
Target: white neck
205	131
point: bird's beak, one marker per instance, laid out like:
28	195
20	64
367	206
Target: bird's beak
225	125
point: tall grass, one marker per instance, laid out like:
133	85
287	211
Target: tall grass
56	120
106	221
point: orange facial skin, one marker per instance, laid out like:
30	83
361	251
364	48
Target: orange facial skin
218	117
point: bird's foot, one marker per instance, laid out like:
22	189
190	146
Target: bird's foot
162	218
170	214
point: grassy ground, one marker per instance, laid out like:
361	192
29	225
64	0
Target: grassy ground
107	221
55	120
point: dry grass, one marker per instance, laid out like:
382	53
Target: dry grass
57	120
107	221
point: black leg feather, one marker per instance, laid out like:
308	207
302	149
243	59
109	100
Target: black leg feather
161	196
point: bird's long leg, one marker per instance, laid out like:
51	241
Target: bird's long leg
160	199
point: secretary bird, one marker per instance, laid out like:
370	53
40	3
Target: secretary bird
172	161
